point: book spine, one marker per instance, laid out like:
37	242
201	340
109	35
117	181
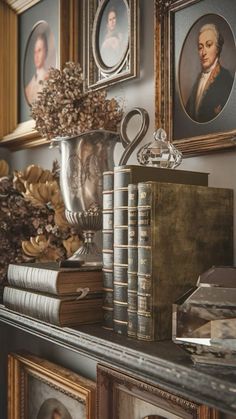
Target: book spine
122	178
108	253
32	304
132	259
29	277
145	321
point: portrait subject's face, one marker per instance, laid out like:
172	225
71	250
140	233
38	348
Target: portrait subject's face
111	21
207	48
39	53
56	415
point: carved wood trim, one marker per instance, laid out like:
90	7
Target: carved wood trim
111	382
21	367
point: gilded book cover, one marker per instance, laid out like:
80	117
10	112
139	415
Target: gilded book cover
182	231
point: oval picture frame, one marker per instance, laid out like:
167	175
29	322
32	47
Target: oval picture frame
106	64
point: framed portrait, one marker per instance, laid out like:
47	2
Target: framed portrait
38	389
112	42
122	396
195	74
43	39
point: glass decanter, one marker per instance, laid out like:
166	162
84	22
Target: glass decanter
160	152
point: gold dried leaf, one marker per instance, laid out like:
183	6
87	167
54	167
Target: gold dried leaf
40	249
32	174
55	196
43	193
4	168
71	245
60	219
35	246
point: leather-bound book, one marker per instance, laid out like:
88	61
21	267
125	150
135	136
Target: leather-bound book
182	231
61	311
132	258
49	278
123	176
108	256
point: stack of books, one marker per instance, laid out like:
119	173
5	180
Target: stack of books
61	296
168	227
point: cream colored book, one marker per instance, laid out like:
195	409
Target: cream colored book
50	278
64	311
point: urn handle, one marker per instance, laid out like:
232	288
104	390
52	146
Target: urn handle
130	145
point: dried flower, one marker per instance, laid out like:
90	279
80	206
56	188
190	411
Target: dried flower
32	225
64	109
4	168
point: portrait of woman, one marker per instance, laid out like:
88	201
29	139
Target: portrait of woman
40	54
53	409
207	68
45	401
113	32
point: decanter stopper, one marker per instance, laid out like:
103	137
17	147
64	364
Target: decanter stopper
160	152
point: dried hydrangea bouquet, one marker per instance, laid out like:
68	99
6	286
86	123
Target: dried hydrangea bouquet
64	109
84	125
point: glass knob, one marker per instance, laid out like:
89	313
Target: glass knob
160	152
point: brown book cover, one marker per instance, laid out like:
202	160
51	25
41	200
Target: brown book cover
50	278
182	231
63	311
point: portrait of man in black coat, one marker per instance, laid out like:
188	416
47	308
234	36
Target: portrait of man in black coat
213	85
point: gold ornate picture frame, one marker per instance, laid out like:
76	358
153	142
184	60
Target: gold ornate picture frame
177	67
121	396
38	389
111	42
26	14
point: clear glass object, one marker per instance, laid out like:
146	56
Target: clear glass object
160	152
204	319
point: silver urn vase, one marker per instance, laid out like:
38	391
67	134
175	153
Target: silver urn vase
84	158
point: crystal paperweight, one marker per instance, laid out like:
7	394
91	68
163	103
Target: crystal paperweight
204	319
160	152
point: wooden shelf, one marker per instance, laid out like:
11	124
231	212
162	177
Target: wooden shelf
162	363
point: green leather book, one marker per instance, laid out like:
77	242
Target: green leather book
107	234
182	231
132	259
123	176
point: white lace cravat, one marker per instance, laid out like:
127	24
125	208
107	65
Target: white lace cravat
202	84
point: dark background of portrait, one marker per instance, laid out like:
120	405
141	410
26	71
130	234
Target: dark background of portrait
122	24
186	24
47	10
